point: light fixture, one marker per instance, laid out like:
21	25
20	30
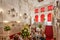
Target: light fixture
5	21
25	15
18	21
1	10
28	16
20	14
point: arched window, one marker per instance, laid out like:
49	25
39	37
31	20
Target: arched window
36	18
42	9
42	17
50	7
50	17
36	10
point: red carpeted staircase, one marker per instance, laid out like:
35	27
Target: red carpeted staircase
49	32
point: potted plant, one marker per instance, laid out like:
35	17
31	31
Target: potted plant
7	28
40	25
25	33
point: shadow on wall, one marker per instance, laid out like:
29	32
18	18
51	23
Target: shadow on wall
1	17
58	3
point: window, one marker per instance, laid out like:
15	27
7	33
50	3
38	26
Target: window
36	10
36	18
42	9
42	17
50	7
50	17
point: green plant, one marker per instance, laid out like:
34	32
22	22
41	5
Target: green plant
44	19
25	33
40	25
7	28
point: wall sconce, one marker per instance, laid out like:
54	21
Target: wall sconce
5	21
18	21
20	15
25	15
1	10
12	9
12	12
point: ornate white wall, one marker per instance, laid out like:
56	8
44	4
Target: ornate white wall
21	7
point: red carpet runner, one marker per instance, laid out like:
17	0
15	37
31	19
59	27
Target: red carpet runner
49	32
